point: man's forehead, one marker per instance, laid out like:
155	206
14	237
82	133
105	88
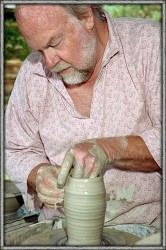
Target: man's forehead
39	24
39	11
37	18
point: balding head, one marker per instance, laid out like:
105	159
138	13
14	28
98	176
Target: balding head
35	19
36	14
77	10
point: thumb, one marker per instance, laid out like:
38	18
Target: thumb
65	169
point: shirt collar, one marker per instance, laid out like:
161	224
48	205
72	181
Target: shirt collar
112	46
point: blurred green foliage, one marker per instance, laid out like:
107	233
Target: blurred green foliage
136	10
15	46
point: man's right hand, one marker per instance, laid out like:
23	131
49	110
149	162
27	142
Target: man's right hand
46	186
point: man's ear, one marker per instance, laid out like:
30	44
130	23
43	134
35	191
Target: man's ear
88	19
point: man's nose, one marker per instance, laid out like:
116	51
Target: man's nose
51	59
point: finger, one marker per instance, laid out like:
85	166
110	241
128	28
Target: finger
65	168
78	171
49	205
58	203
47	182
46	200
100	161
48	176
46	190
43	176
51	182
97	170
47	171
89	166
50	200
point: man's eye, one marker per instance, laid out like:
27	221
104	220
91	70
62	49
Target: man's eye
54	45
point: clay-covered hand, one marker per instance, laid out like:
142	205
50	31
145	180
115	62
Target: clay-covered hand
46	186
85	160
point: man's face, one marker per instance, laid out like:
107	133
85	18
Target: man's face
80	71
67	45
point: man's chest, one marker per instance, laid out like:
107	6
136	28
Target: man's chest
82	99
63	124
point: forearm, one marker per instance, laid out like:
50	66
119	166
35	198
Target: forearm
129	153
32	176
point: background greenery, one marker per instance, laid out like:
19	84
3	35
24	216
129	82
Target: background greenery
15	47
135	10
14	44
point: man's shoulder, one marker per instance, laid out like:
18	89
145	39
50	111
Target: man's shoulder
34	57
131	25
33	62
130	22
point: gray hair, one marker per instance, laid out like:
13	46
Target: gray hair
80	11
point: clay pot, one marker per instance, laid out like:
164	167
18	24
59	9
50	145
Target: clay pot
13	198
84	206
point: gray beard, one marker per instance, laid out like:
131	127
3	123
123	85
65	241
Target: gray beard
74	77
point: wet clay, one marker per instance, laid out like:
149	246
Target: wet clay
84	206
58	237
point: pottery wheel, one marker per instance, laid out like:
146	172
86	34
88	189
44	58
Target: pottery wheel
58	237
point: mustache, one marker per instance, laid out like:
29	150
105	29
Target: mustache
61	66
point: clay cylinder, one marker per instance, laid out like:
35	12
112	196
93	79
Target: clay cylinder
84	206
